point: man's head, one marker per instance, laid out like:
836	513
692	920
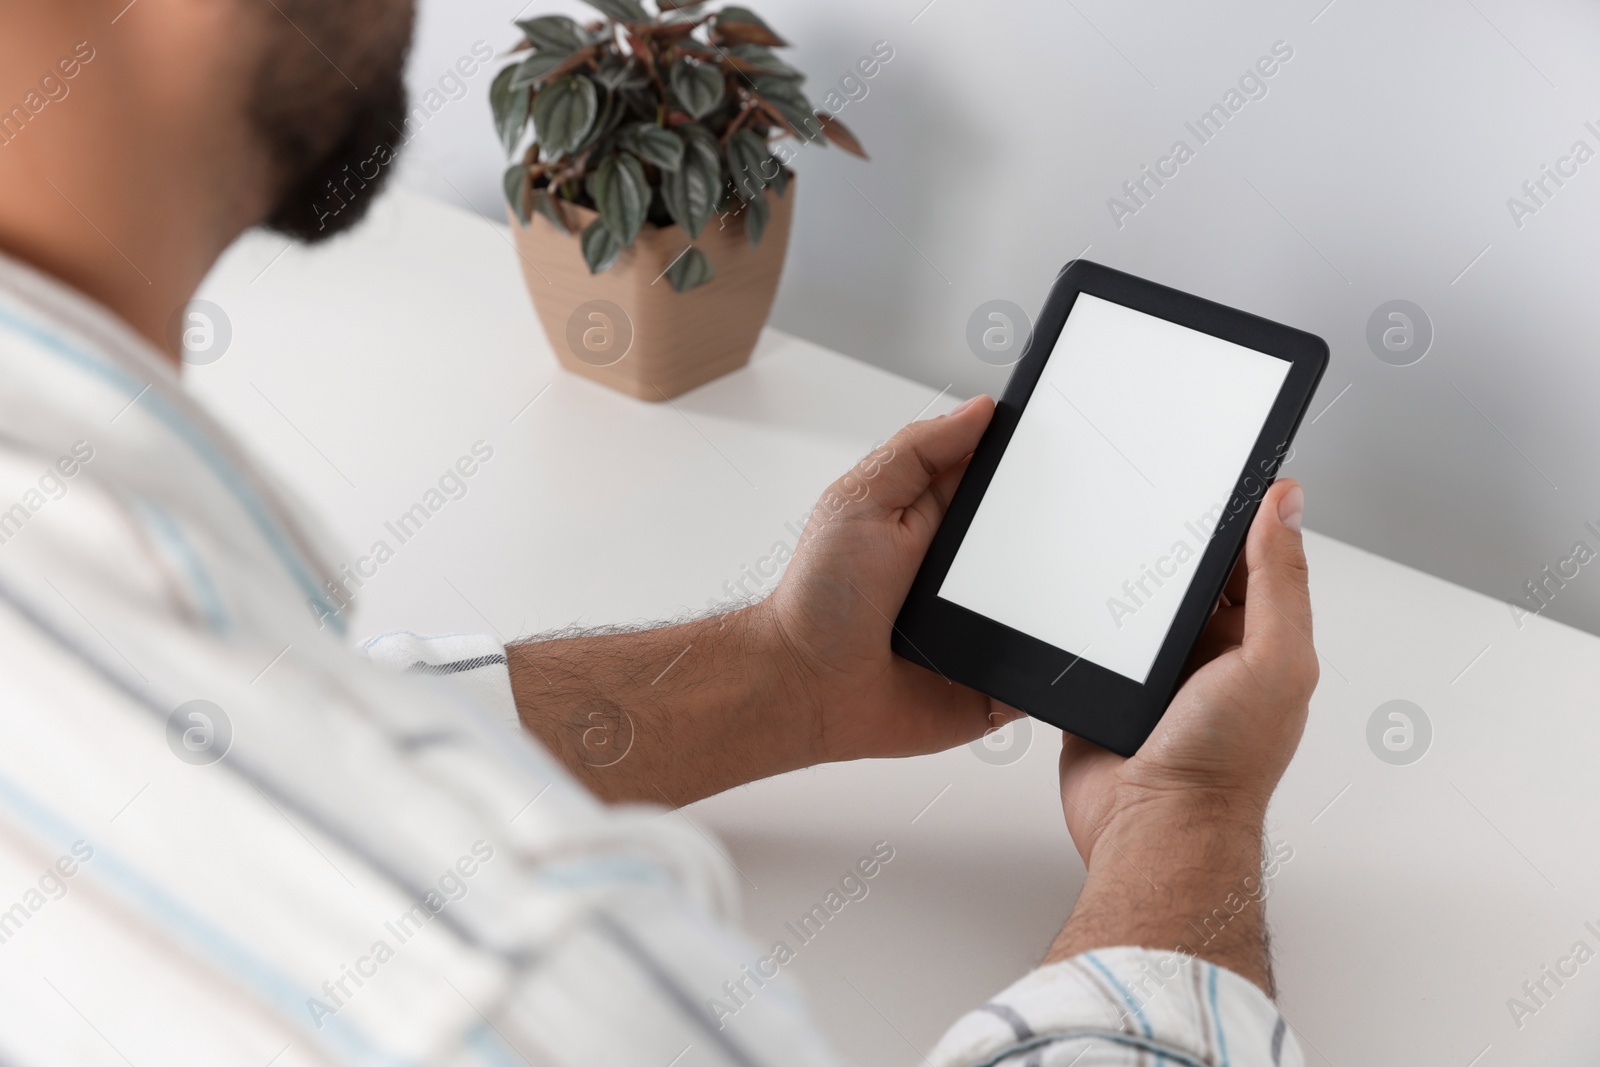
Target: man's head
328	103
145	136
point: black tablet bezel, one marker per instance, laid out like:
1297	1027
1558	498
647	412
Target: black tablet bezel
1049	683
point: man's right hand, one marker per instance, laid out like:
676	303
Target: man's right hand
1168	833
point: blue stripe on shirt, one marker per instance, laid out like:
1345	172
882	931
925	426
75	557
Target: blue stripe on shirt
191	435
1138	1011
1222	1041
201	585
212	944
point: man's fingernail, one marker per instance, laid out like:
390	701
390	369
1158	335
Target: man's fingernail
965	404
1292	508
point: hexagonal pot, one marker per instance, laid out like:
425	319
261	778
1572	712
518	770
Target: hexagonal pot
627	327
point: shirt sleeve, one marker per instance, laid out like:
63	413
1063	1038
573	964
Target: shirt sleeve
1109	1008
475	664
1124	1006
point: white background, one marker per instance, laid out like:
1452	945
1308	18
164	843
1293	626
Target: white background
1137	430
1378	167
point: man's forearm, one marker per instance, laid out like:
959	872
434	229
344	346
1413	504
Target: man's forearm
1180	878
667	715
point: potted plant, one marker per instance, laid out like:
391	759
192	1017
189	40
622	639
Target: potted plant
649	196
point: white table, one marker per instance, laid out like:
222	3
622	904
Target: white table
1419	898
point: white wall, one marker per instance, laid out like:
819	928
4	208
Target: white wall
1378	166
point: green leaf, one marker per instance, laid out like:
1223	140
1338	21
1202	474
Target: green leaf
618	72
756	214
535	68
784	89
779	180
750	163
553	33
611	112
563	111
690	196
510	108
600	246
652	144
621	194
690	269
515	182
698	86
743	26
787	99
762	59
701	141
691	191
620	10
545	204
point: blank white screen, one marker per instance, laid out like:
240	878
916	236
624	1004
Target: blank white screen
1117	473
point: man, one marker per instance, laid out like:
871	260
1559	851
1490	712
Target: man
224	839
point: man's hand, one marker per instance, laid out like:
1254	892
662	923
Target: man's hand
681	712
1172	836
834	610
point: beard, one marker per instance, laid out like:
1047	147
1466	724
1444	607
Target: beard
328	104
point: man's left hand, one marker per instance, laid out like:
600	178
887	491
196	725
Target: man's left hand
833	611
804	677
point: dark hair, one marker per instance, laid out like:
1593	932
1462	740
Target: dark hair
328	99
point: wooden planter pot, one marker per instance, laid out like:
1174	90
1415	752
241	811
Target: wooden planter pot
627	327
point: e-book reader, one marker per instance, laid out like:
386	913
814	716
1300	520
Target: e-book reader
1108	502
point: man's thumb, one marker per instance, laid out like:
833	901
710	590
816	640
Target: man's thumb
896	475
1278	596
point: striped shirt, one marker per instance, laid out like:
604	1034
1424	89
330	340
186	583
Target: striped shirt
226	838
